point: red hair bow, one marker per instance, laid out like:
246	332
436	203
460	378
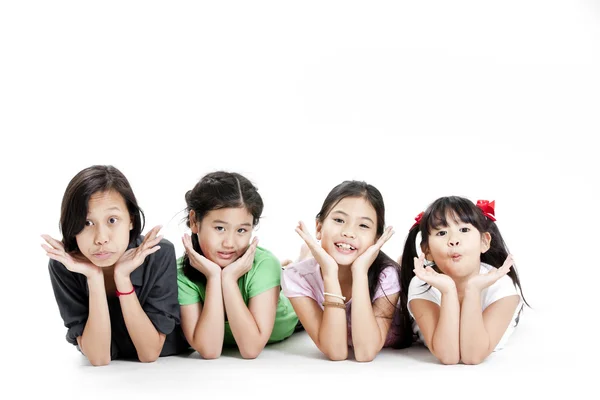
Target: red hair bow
488	208
418	219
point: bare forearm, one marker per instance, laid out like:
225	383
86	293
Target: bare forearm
210	328
333	331
366	336
445	340
474	339
96	337
146	339
248	336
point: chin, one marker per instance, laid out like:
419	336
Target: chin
225	263
104	264
344	261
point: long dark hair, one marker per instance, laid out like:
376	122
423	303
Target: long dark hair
382	261
89	181
215	191
435	217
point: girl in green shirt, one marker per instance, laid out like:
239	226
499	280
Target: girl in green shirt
229	287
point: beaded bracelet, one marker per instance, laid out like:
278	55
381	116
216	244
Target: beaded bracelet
335	295
334	304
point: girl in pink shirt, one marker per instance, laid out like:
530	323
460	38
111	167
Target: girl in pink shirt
348	293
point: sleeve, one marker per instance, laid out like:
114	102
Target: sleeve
294	284
504	287
418	289
72	299
189	292
389	283
266	275
161	305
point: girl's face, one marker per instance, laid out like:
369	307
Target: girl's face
348	230
456	248
105	236
224	234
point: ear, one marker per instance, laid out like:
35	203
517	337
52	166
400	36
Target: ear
193	223
319	226
131	223
486	242
427	253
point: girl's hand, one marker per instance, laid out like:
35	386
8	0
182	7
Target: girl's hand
133	258
481	281
441	282
206	267
239	267
73	262
327	263
364	262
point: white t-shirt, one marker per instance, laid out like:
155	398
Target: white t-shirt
503	287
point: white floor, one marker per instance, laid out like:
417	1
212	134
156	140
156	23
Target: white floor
538	361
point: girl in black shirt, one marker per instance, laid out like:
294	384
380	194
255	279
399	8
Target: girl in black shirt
116	289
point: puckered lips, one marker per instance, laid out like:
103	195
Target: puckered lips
102	254
454	256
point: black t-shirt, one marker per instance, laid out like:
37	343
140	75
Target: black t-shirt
155	284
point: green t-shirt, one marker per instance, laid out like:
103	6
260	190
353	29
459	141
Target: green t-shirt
264	275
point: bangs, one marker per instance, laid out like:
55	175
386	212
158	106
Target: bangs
455	210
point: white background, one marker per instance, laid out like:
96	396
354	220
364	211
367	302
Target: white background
492	100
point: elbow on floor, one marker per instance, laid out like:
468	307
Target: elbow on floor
99	361
473	360
364	356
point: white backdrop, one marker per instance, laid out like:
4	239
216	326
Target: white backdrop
422	99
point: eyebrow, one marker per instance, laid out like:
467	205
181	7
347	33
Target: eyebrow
343	213
218	221
107	209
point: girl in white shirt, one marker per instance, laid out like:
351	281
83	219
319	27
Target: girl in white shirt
463	290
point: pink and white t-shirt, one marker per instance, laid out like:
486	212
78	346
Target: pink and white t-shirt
303	279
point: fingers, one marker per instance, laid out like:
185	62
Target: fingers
152	234
308	239
249	254
55	254
503	270
187	244
151	239
418	269
387	234
48	248
302	231
53	242
419	261
147	252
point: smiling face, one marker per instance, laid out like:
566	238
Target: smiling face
105	236
348	229
224	234
457	247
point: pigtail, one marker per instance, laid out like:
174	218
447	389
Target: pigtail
497	253
408	263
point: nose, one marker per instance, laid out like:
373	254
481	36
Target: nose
101	237
453	241
349	234
228	241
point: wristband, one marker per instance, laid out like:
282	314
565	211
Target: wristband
125	293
